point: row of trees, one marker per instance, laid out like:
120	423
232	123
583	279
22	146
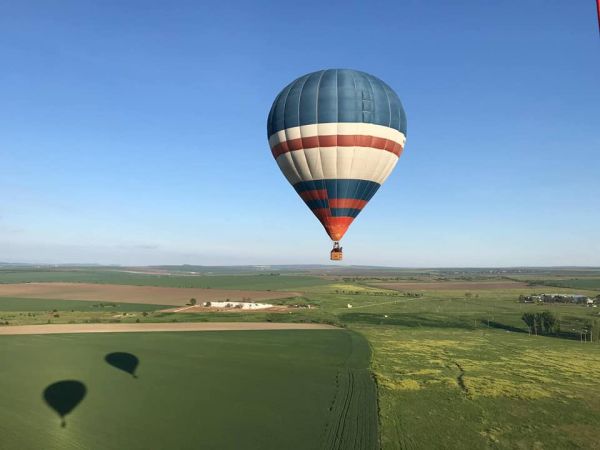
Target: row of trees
380	293
591	331
541	322
546	323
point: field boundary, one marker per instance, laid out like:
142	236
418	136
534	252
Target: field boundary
157	327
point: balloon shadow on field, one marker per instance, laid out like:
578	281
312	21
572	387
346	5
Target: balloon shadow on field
63	396
123	361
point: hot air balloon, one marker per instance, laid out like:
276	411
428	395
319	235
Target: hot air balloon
336	135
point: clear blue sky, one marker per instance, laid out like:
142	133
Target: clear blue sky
134	132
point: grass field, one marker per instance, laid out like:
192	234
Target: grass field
454	363
456	388
459	370
44	304
24	311
222	390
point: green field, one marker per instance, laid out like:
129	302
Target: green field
44	304
243	282
221	390
34	311
26	311
575	283
470	389
459	370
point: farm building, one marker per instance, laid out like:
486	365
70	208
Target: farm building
557	298
238	305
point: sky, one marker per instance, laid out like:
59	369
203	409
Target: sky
134	132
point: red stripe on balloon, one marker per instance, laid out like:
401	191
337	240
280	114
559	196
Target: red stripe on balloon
336	227
317	194
347	203
323	214
340	140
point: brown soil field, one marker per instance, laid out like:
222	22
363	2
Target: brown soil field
147	327
133	294
453	285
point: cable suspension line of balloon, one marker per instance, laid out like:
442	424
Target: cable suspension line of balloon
336	135
598	13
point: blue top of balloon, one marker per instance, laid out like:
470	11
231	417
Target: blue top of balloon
336	95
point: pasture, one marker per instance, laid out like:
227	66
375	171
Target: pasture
458	369
226	390
50	305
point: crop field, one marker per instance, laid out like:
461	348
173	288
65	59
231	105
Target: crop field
226	390
132	294
242	282
453	360
574	283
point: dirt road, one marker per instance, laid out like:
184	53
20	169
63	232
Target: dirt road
146	327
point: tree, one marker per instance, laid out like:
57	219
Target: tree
529	319
588	329
538	324
595	330
548	321
192	301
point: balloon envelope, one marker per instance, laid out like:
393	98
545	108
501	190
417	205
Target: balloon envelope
336	135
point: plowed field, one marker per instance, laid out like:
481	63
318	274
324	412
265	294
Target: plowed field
132	294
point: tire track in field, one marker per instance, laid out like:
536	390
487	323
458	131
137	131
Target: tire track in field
339	409
354	412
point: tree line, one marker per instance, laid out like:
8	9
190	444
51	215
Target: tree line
546	323
541	322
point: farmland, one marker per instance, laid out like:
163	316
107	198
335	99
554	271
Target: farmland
459	370
575	283
454	363
453	285
44	304
242	282
275	389
132	294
